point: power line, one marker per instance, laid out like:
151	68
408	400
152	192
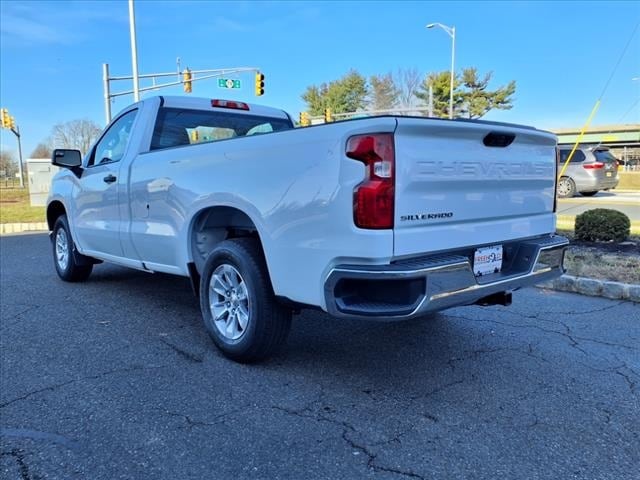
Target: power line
619	60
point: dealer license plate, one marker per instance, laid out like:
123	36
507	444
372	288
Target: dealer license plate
487	260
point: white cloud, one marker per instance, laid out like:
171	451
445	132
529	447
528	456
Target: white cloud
223	24
27	31
51	23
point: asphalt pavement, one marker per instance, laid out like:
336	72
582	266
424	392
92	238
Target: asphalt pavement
625	202
117	379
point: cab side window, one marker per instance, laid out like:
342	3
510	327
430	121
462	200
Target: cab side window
113	143
578	156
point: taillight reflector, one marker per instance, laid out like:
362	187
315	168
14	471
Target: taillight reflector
373	198
229	104
593	166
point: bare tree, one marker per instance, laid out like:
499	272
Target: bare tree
8	164
42	150
408	81
75	134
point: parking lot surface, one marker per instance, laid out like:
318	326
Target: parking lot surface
625	202
116	378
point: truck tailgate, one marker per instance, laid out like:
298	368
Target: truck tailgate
470	183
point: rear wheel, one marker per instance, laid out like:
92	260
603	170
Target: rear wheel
238	305
588	194
70	265
566	187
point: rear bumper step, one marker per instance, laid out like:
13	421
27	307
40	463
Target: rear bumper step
414	287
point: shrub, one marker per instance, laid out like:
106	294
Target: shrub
602	225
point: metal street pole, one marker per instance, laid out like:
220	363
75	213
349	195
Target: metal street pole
453	55
17	132
431	100
107	93
134	51
451	31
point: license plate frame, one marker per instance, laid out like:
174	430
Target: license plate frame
487	260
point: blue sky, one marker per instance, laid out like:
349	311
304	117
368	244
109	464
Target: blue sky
560	53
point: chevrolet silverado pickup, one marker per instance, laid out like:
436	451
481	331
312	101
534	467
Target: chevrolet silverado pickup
384	218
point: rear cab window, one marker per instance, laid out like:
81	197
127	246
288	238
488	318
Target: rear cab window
177	127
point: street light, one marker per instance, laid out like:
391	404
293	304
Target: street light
451	31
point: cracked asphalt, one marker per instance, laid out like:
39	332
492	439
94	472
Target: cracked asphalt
116	379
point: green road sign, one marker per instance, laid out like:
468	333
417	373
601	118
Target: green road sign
228	83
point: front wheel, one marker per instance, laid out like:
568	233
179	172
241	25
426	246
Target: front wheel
566	187
69	264
238	305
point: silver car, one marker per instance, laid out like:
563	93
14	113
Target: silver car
590	170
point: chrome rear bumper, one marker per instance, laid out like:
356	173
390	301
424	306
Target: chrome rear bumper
414	287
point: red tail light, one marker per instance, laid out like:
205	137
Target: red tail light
593	166
373	199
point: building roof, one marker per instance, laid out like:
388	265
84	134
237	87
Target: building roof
629	127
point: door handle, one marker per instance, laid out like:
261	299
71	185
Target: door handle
109	179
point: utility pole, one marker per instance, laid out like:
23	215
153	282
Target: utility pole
134	51
107	93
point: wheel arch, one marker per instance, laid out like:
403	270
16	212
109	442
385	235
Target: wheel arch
54	210
214	224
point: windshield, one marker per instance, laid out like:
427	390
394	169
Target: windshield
177	126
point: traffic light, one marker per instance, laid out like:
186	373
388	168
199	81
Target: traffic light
194	136
186	80
4	116
304	119
259	84
12	123
327	115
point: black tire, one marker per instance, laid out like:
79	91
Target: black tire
588	194
73	267
566	188
267	323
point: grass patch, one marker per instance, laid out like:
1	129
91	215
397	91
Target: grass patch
603	261
591	262
15	207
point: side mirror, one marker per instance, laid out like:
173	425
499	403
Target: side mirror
65	158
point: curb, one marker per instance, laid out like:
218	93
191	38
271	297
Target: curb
6	228
594	288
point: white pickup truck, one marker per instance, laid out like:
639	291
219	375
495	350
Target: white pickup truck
376	218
